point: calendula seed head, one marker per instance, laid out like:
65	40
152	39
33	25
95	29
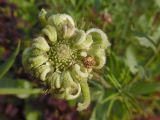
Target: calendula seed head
63	56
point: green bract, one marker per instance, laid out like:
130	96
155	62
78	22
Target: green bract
63	57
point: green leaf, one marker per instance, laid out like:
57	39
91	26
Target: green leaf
114	81
110	107
8	64
142	88
145	40
111	97
155	37
131	61
99	111
98	107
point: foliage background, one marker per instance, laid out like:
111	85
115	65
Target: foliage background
128	87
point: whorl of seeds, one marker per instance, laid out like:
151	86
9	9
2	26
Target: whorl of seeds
63	57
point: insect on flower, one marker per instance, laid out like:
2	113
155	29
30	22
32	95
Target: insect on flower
89	62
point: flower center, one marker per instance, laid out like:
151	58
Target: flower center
61	56
63	52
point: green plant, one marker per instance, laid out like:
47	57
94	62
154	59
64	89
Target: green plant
127	87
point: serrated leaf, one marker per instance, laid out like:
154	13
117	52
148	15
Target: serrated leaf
8	64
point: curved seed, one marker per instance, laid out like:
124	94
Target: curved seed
54	80
79	73
40	43
34	52
42	17
51	33
37	61
99	55
69	92
64	24
99	37
42	71
86	96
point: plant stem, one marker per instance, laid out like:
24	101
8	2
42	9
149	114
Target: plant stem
13	91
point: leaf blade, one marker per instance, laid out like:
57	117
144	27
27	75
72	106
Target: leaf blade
8	64
142	88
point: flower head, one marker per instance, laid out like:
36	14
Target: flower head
63	57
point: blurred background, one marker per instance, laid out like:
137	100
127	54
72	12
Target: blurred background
127	88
